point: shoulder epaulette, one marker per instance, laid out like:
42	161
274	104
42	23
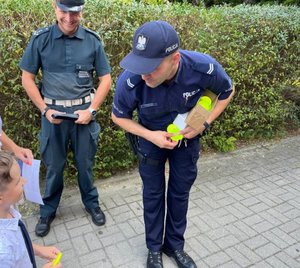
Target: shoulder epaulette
92	32
41	31
207	68
133	81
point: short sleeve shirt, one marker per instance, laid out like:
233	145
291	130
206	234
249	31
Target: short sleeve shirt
68	63
158	107
13	251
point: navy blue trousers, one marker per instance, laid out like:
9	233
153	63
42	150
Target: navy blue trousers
55	141
165	206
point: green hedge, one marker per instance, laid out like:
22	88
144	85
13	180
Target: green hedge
258	46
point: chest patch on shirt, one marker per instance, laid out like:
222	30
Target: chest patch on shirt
147	105
83	74
189	94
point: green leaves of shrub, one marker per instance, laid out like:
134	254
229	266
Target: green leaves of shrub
257	45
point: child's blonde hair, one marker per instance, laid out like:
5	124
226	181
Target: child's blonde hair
6	161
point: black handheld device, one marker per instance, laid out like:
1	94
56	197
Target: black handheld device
73	117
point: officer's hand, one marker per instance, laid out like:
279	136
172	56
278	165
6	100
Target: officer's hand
162	139
51	119
189	132
85	117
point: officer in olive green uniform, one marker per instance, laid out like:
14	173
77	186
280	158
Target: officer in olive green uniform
69	56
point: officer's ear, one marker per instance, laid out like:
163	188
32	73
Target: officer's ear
176	57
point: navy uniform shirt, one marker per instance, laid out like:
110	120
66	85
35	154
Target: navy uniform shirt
68	63
158	107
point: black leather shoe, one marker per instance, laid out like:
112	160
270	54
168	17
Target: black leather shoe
182	259
42	228
154	259
97	214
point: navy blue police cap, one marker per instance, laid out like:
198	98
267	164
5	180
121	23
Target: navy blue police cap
70	5
152	42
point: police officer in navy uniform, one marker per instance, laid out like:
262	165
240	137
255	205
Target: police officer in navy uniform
69	56
161	81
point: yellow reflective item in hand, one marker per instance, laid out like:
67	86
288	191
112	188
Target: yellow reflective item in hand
57	259
205	102
172	128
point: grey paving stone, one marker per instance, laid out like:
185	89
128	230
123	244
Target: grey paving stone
79	245
267	250
248	202
284	236
136	208
230	264
201	250
275	240
119	253
293	213
238	233
262	226
276	263
98	256
261	264
234	194
289	227
65	245
127	230
123	217
294	250
277	215
256	242
252	220
235	212
288	260
227	201
227	241
93	241
81	230
251	255
112	239
227	219
137	225
217	233
61	232
259	207
217	259
192	230
77	222
209	244
237	257
270	218
243	209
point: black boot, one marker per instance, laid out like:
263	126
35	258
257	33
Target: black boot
182	259
154	259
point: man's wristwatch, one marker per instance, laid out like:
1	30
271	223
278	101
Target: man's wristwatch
93	112
45	111
206	125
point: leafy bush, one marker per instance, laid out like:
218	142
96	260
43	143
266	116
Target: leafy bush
258	46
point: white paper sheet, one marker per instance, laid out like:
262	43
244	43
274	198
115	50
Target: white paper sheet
32	187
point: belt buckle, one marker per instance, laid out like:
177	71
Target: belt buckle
68	103
76	102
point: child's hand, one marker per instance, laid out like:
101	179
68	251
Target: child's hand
50	265
48	253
